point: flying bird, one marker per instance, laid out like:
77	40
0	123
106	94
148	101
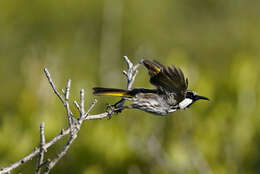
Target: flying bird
171	93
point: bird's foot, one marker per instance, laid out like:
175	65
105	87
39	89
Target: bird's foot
111	109
118	110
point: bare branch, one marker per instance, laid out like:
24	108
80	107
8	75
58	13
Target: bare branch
74	126
89	109
42	150
82	102
52	85
130	75
69	114
67	93
98	116
76	104
67	107
61	154
63	92
35	152
132	71
74	131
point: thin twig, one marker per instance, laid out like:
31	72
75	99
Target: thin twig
69	113
95	117
132	71
42	150
60	155
130	75
76	104
52	85
82	102
67	92
63	92
89	109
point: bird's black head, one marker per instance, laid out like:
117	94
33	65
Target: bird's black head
194	97
190	98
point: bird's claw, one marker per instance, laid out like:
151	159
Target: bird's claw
118	110
111	109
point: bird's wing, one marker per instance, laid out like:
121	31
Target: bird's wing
167	79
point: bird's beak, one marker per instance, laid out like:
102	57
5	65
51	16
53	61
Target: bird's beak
201	97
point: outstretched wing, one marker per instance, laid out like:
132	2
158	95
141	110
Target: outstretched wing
167	79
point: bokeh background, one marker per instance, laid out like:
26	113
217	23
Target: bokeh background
216	43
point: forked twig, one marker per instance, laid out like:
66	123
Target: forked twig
74	124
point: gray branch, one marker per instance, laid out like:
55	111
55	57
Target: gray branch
52	85
132	71
61	154
42	150
82	102
34	153
74	125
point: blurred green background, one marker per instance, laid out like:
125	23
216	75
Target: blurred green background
216	43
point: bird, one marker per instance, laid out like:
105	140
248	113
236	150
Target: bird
170	94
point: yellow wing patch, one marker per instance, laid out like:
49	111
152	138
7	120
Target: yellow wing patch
157	69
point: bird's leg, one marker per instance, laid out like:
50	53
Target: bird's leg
121	108
120	103
117	107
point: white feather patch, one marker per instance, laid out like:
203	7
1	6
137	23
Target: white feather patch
184	103
172	110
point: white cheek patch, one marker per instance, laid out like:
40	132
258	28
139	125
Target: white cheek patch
184	103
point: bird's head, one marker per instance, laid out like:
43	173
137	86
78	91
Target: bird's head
191	97
194	96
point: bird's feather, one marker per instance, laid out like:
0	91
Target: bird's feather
167	79
111	92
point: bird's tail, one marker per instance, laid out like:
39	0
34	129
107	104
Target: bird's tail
111	92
